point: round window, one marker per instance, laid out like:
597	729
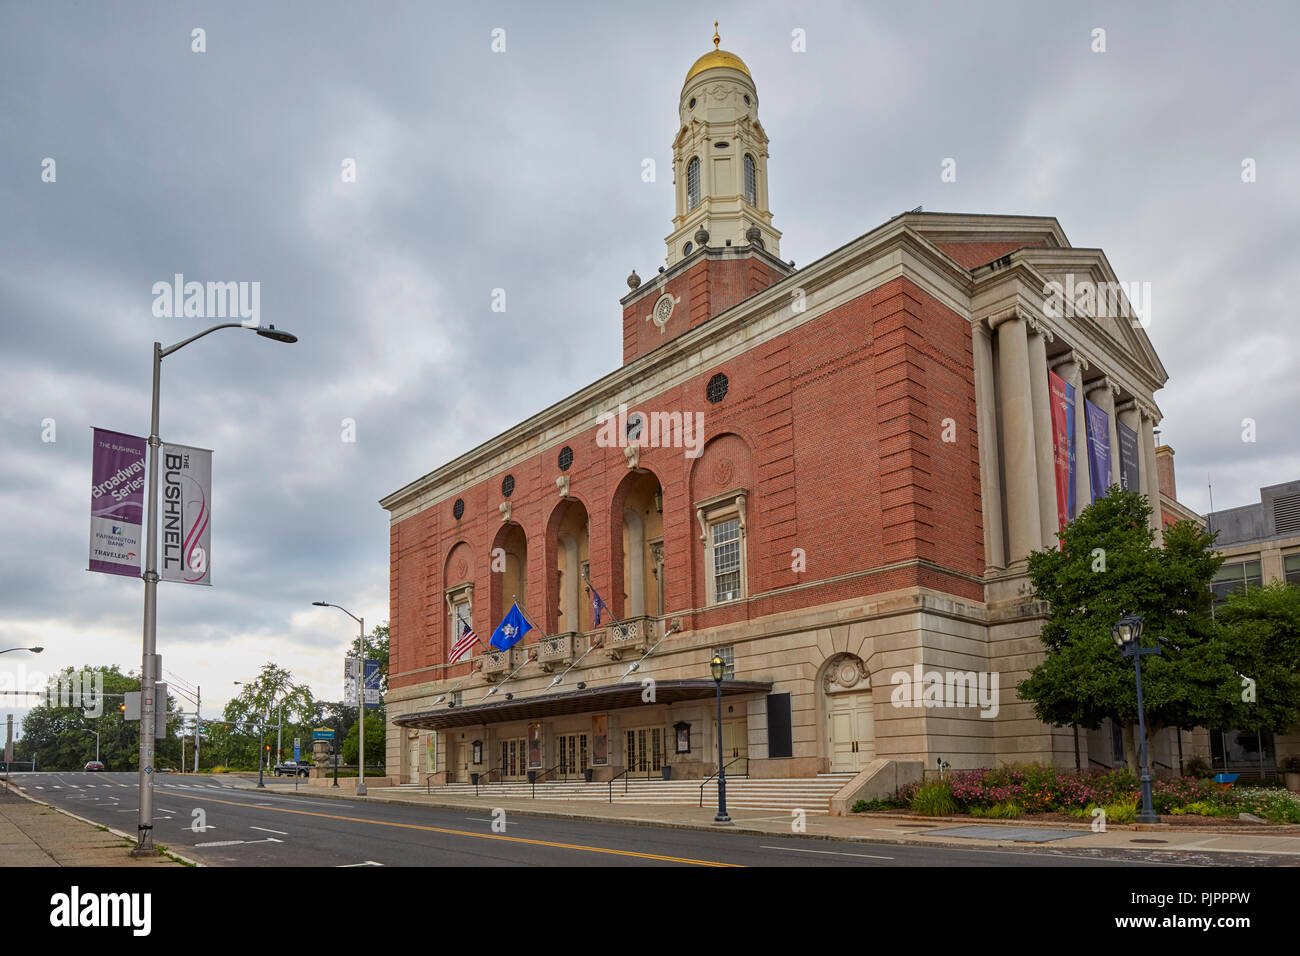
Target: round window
508	485
686	249
458	509
635	422
691	104
566	458
716	390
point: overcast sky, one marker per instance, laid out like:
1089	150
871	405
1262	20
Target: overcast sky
521	170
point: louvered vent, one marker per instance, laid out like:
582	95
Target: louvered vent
1286	514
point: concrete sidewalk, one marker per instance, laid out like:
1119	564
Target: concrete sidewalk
867	827
35	834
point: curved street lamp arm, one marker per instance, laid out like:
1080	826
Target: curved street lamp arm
180	345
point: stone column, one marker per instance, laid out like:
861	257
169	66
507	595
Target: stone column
995	555
1071	369
1150	479
1044	447
1024	521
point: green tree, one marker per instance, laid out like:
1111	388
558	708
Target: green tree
1107	567
61	738
271	697
1261	628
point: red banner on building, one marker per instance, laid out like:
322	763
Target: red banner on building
1061	407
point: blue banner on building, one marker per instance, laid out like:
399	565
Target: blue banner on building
1098	423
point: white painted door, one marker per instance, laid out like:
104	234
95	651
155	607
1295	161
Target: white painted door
852	734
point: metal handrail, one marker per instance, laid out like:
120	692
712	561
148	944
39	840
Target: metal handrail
543	773
715	773
483	776
611	783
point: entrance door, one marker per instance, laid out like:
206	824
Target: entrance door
572	753
852	734
735	743
514	758
458	768
413	758
645	752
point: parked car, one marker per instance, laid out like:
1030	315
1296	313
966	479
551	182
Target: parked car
95	765
290	768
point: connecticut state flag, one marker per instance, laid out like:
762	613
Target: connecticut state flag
510	630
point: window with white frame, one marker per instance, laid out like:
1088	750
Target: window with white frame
726	559
693	183
751	181
722	532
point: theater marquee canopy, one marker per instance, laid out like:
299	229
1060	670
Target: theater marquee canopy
497	710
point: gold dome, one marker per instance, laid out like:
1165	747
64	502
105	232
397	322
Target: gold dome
716	58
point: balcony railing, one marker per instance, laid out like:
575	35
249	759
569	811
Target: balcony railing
499	663
555	650
631	636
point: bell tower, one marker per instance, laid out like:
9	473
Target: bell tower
720	161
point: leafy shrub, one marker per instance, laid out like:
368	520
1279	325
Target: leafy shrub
1121	812
1006	810
1198	767
934	800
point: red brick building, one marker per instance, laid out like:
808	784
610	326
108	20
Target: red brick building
830	477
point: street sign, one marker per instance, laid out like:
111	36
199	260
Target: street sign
322	733
297	749
132	701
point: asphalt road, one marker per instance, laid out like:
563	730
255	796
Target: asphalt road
243	827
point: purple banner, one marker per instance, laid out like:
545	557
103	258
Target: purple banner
117	480
1098	423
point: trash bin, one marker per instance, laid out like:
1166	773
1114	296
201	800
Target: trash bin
473	778
587	774
668	771
532	776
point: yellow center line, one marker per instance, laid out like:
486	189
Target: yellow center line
465	833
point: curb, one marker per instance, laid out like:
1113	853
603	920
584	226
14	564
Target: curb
112	830
902	840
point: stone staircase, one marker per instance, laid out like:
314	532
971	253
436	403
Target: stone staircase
810	794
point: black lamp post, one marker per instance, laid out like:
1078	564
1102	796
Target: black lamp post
718	667
1127	634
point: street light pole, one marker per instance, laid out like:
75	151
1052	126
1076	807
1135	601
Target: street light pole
1127	633
718	667
361	694
148	671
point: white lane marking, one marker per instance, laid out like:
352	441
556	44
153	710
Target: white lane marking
792	849
57	787
38	787
367	863
265	830
487	820
238	842
213	786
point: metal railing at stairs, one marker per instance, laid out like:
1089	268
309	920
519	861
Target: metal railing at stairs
715	773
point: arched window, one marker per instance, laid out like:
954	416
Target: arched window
693	183
751	181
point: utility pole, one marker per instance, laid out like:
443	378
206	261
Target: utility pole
198	717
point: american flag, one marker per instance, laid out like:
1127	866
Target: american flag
466	643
